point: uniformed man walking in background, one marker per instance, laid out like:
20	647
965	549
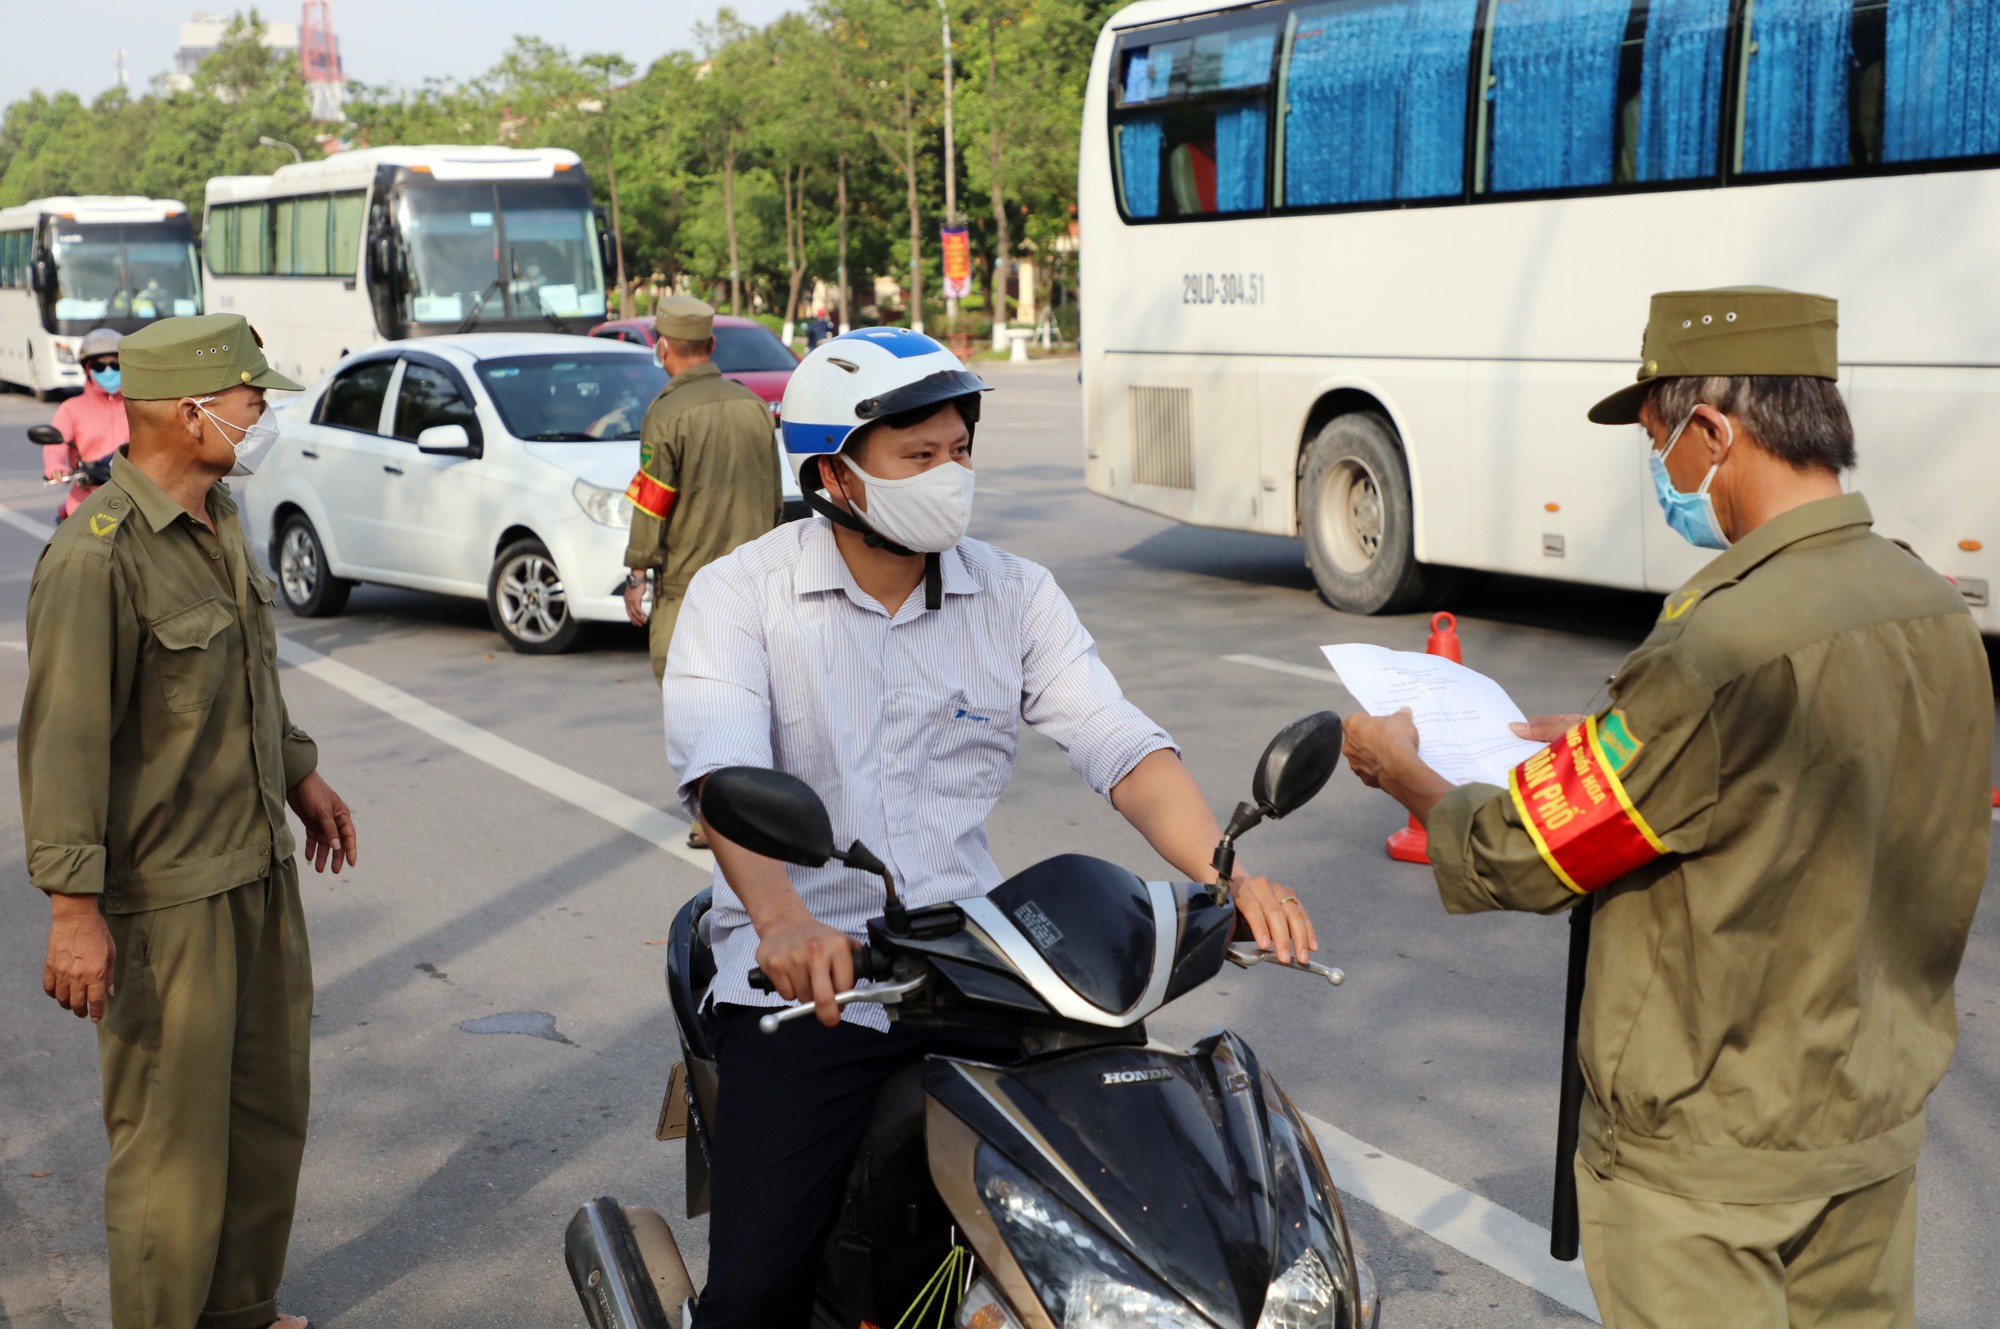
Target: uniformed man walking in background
157	759
708	472
1783	820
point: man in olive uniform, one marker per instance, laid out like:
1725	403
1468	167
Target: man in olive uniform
1783	820
708	471
156	763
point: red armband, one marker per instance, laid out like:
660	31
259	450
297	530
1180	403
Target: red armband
650	496
1580	816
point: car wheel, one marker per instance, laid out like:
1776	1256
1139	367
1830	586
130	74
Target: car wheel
527	603
1357	519
310	590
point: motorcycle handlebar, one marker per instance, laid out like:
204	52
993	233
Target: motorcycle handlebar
869	963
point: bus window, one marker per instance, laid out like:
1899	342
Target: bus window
1795	86
1679	106
1940	79
553	238
518	251
239	242
1373	99
144	270
1551	107
1194	124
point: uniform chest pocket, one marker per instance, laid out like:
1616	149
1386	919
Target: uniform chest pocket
972	748
192	658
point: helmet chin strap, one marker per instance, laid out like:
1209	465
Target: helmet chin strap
812	484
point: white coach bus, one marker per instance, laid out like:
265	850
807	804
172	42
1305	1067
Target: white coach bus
378	244
68	265
1354	270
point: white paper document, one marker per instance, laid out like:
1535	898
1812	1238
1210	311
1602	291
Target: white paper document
1462	716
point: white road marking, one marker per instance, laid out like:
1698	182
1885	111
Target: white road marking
1320	674
1497	1237
1470	1224
662	830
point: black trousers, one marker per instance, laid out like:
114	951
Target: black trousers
791	1108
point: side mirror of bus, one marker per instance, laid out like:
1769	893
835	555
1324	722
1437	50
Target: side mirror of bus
42	274
382	257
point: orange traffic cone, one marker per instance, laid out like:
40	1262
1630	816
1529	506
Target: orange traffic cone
1410	844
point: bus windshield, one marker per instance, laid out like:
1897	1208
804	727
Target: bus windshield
126	271
512	251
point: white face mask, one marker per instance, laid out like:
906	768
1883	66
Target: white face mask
927	512
255	439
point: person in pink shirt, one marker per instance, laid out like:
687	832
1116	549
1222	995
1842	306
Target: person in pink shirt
93	424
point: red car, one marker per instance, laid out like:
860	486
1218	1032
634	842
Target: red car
745	350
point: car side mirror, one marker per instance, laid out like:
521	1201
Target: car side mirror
768	813
1297	765
45	436
447	441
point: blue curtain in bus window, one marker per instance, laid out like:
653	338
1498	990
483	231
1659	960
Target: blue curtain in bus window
1941	85
1555	92
1239	158
1139	142
1795	98
1375	101
1246	63
1680	88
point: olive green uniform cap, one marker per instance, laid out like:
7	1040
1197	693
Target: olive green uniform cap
1731	331
685	318
194	357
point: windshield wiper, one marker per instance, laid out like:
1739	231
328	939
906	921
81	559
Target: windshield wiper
472	315
562	436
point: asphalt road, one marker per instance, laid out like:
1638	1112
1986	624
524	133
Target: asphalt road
443	1163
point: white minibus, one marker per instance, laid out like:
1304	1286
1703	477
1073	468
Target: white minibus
379	244
1353	270
68	265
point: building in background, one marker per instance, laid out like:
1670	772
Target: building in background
201	35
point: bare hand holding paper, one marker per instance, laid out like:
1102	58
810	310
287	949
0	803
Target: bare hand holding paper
1462	716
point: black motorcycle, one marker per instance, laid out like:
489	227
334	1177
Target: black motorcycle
1091	1180
89	474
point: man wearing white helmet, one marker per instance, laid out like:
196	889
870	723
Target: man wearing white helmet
811	651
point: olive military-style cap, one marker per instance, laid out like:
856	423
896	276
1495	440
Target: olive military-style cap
1730	331
194	356
685	318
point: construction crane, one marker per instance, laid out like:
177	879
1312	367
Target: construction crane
319	58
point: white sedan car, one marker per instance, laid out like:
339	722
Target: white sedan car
491	465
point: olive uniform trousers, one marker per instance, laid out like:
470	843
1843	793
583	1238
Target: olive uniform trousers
1659	1261
204	1052
660	630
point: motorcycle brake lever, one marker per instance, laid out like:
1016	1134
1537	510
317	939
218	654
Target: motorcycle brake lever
886	994
1245	954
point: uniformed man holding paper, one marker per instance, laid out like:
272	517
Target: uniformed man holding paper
1783	820
157	760
708	472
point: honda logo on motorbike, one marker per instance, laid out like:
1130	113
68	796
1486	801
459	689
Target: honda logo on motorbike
1138	1077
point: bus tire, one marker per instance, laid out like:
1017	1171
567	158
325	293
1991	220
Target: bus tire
1357	519
527	603
304	579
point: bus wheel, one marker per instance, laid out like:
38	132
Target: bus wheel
1355	513
527	603
310	590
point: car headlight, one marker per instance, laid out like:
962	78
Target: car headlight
65	353
606	507
1083	1281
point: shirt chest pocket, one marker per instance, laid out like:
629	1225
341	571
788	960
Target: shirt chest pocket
972	747
191	656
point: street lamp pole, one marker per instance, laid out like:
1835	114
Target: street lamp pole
950	159
266	141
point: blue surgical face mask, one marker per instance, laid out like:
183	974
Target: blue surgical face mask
108	379
1692	516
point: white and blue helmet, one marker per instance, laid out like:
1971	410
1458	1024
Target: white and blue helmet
867	375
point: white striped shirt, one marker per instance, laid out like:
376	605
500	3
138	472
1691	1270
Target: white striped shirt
906	725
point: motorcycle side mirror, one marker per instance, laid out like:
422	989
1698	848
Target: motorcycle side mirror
1297	765
768	813
45	436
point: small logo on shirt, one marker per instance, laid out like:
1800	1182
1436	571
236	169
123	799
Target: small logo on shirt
1038	925
103	523
962	714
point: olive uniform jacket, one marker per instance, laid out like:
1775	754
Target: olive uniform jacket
155	747
1785	816
708	477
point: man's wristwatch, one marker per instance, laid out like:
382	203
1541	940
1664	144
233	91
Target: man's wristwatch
634	580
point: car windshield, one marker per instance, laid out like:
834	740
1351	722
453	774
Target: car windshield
578	398
741	350
143	270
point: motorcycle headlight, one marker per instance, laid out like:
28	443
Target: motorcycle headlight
606	507
1320	1273
1082	1279
1303	1297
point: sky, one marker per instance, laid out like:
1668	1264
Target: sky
69	45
